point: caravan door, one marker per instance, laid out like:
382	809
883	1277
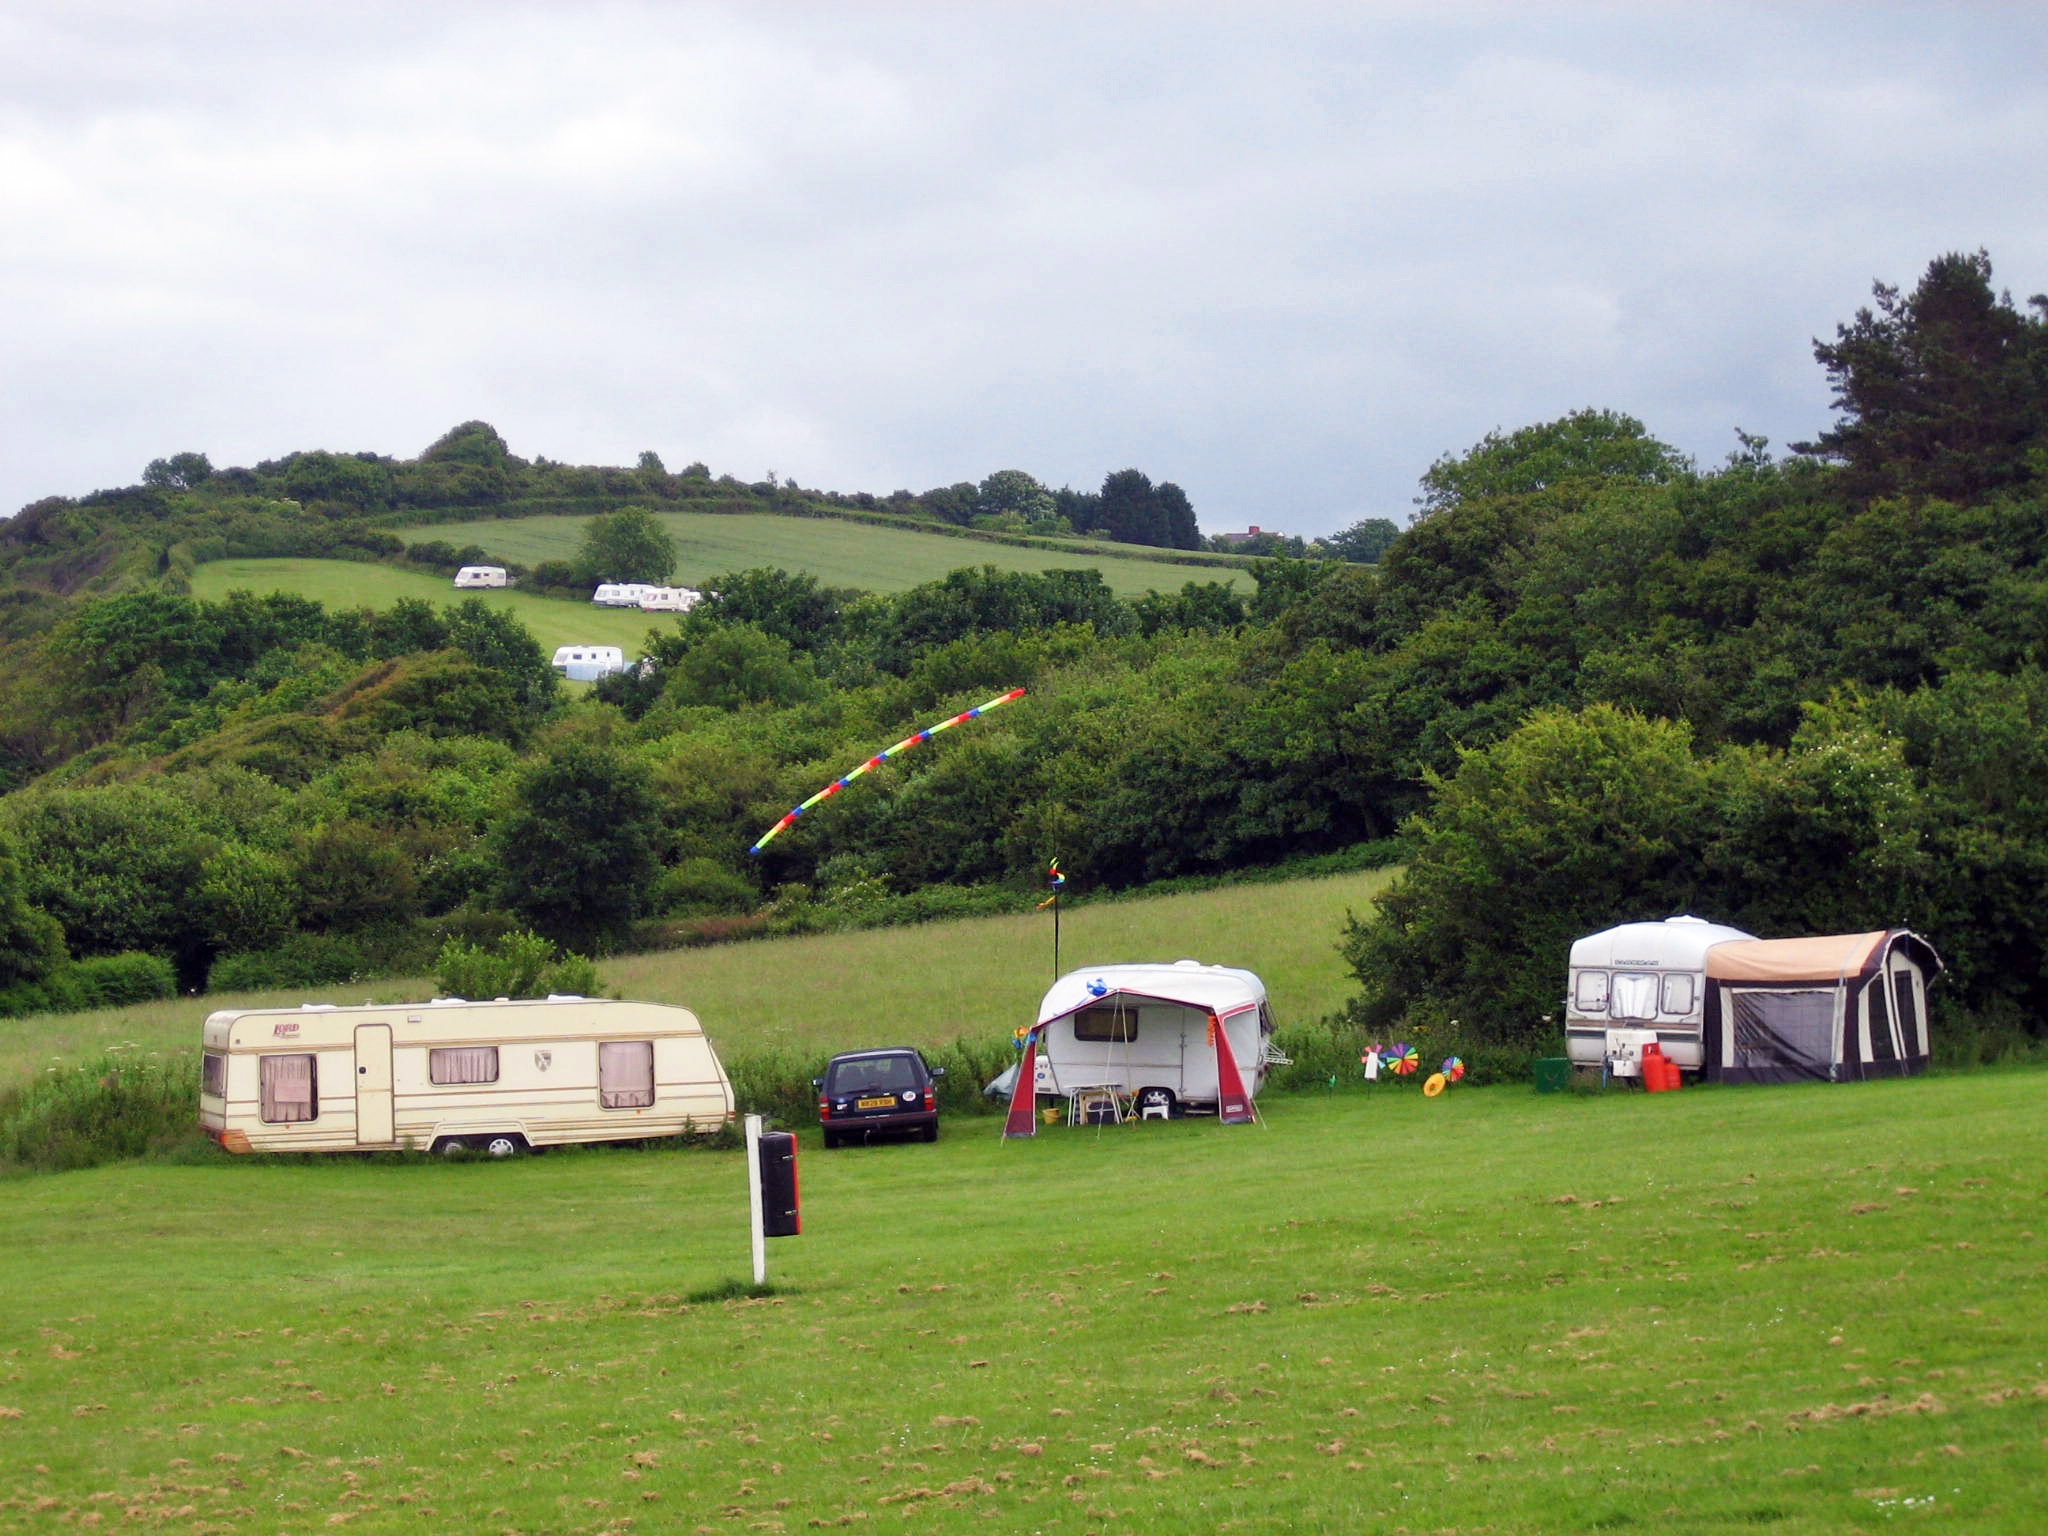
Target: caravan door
373	1085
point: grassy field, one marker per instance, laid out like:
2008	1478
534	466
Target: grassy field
926	985
1800	1310
842	554
353	583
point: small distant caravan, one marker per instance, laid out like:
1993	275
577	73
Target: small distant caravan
482	576
620	594
1143	1030
670	600
452	1076
587	663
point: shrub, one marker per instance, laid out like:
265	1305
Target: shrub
115	981
521	964
305	960
101	1112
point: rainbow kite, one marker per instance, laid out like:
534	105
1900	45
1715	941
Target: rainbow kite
880	758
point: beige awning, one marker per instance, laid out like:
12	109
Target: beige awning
1818	959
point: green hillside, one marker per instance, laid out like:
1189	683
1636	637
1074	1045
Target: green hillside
839	553
356	584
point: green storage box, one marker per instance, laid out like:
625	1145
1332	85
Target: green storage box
1553	1074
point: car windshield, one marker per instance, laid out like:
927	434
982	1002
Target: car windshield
891	1072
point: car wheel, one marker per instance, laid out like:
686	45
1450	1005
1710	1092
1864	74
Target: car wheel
931	1132
504	1146
831	1140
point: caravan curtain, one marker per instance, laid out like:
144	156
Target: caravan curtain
463	1064
1783	1037
625	1074
287	1089
1635	996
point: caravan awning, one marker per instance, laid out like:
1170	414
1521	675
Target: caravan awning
1819	959
1215	989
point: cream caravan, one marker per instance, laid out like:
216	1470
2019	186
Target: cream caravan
451	1075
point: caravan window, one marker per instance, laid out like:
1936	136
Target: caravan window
463	1064
625	1074
1590	996
287	1090
1635	995
1678	992
1117	1026
213	1074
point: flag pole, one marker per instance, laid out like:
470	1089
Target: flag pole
1055	883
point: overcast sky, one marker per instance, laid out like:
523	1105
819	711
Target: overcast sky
1282	254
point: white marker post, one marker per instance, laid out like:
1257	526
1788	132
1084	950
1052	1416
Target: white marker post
754	1199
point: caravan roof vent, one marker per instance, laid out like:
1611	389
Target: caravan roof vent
566	997
314	1007
1687	918
1187	965
446	1002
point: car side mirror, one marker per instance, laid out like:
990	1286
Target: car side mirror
938	1071
817	1082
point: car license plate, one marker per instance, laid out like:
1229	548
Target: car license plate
882	1103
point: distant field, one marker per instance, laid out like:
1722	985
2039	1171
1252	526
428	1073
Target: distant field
840	554
1810	1311
977	978
352	583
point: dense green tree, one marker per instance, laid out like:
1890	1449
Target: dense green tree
1364	541
627	545
116	865
1586	445
352	482
474	442
579	847
31	941
1012	492
180	472
795	608
732	666
1943	391
247	898
1130	508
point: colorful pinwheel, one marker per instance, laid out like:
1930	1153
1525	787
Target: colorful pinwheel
1454	1068
1402	1059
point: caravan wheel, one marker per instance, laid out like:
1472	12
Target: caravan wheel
505	1146
451	1146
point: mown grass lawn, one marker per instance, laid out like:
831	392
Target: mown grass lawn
1790	1309
840	554
975	978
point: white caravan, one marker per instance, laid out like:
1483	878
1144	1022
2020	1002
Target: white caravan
620	594
670	600
482	576
1144	1030
1639	982
451	1075
587	663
